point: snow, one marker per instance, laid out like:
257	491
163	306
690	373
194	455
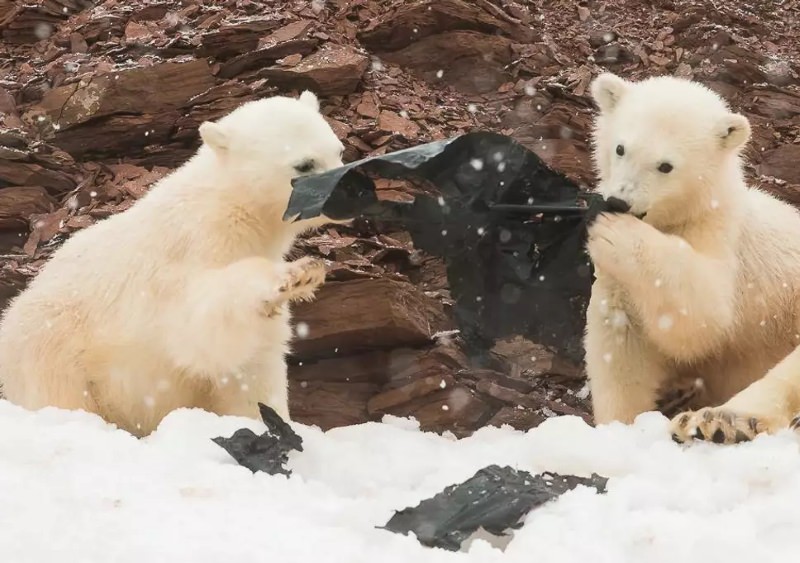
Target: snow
75	489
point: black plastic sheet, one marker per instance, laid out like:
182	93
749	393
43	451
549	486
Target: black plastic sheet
494	499
267	452
510	229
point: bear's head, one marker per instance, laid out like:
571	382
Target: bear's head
666	146
263	144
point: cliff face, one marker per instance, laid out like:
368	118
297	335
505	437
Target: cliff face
100	99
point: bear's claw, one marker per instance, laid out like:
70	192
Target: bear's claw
718	425
300	282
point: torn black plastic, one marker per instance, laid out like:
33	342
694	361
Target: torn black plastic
268	452
495	499
510	229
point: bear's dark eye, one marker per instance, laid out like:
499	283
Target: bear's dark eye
305	167
665	168
620	150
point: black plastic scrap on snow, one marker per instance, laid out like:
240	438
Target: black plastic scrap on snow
495	499
268	452
510	229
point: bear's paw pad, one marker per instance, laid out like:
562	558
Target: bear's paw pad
717	425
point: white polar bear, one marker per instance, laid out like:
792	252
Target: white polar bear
180	301
705	283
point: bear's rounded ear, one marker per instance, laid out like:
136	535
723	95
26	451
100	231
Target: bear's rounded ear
214	136
734	131
607	90
309	98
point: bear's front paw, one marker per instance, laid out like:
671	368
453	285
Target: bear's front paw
614	243
302	279
720	426
299	283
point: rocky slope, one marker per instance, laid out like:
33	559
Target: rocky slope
100	99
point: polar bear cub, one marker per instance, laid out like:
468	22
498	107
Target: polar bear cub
701	280
181	300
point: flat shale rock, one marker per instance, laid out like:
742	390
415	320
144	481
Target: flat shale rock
330	404
149	90
357	315
330	71
782	163
235	38
410	22
20	202
469	61
26	163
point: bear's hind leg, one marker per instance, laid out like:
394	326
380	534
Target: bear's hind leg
765	406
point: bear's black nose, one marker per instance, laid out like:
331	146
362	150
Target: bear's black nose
617	205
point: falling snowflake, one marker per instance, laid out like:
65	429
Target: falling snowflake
472	108
439	73
665	322
619	319
607	357
43	30
476	163
302	330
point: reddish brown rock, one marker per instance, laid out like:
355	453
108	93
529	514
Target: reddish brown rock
358	315
17	203
330	71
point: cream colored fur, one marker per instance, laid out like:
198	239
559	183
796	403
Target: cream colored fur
706	285
180	301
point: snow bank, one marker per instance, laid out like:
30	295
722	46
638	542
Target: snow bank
75	490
